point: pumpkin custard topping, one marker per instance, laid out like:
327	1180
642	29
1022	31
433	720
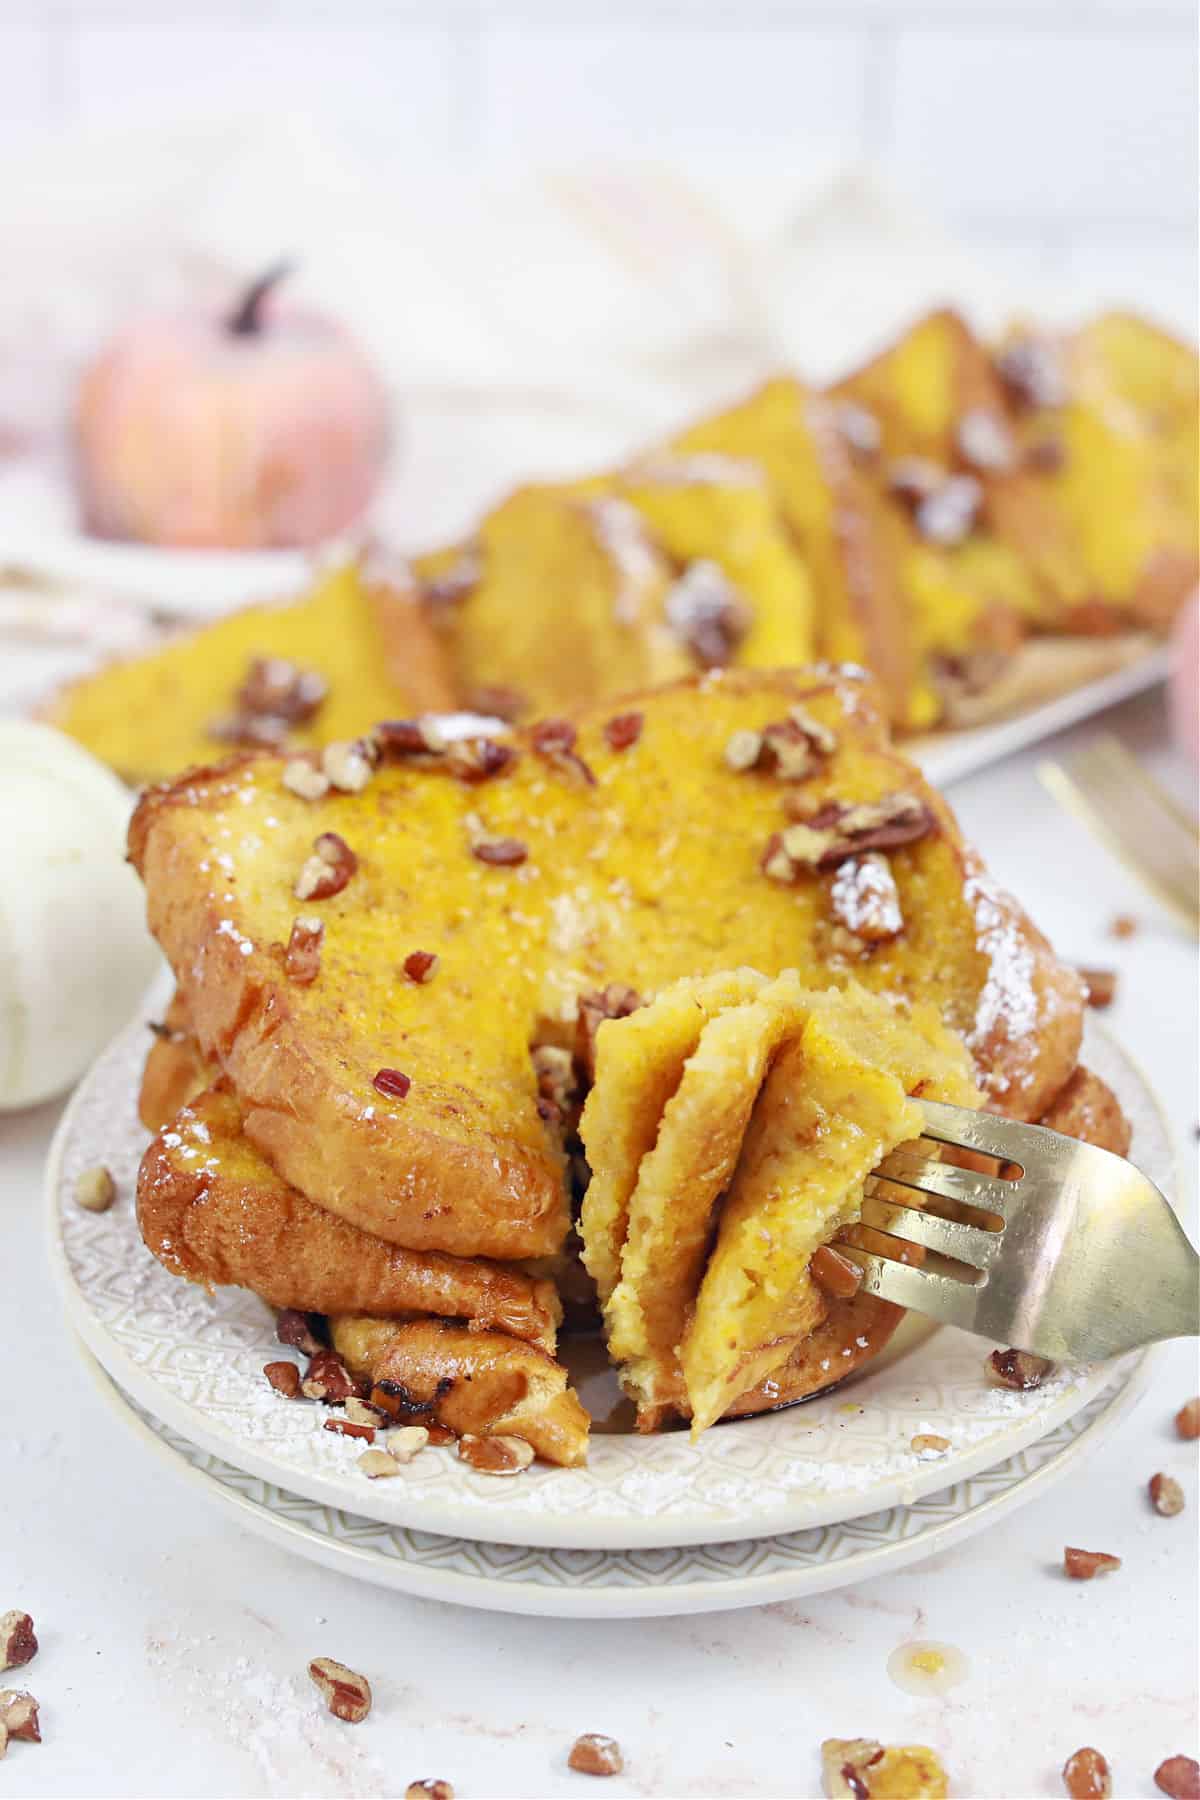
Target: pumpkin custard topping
599	1024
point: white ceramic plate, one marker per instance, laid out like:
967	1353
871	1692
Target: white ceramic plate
626	1584
949	756
195	1363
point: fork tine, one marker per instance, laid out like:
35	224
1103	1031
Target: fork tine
929	1176
981	1131
965	1243
953	1302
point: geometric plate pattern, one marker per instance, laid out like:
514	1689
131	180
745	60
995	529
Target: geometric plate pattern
194	1362
637	1583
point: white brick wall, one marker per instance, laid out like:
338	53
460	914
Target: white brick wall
1049	132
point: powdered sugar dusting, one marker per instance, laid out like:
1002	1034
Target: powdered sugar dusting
622	536
1007	1011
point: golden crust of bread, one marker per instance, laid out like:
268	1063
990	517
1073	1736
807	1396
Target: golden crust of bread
175	1070
212	1210
851	1334
624	879
1119	497
849	539
478	1382
1086	1108
366	635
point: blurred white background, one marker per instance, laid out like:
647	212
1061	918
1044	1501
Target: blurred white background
1051	134
562	226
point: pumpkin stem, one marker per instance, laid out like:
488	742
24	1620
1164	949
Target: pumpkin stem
246	318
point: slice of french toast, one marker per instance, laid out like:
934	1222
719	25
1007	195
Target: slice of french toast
308	671
1107	424
213	1210
741	819
774	1114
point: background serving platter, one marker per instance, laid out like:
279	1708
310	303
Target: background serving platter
195	1363
628	1584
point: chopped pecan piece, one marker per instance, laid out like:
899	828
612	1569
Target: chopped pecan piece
1084	1565
834	1272
302	959
985	441
793	748
616	1001
1166	1495
1179	1776
407	1441
327	870
595	1754
499	852
1086	1775
19	1716
18	1640
495	1455
377	1465
348	1428
555	1071
392	1082
421	966
1187	1419
327	1378
623	731
445	591
835	832
302	778
1124	926
399	738
346	1693
929	1444
95	1189
555	740
301	1331
1017	1369
479	758
707	614
348	766
276	688
284	1377
1031	371
430	1788
948	516
743	750
1100	986
864	898
859	429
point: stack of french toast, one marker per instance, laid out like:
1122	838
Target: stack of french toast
600	1023
979	525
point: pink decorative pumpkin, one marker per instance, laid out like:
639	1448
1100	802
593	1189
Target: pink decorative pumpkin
266	428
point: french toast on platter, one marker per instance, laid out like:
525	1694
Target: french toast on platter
672	968
982	527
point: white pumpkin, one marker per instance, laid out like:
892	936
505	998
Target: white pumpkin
75	954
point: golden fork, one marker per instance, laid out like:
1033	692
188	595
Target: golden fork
1130	812
1077	1258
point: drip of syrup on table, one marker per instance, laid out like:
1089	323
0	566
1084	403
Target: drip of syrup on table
927	1668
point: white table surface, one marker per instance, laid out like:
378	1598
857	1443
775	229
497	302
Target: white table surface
173	1643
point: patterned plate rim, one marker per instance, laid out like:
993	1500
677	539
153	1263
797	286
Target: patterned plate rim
737	1491
638	1594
